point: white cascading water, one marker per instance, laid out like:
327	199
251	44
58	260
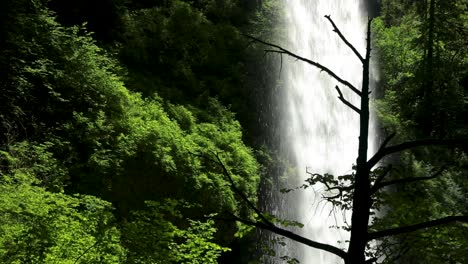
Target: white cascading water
318	129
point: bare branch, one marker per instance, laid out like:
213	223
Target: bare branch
412	144
387	140
408	180
368	40
335	29
377	182
313	63
291	235
346	102
416	227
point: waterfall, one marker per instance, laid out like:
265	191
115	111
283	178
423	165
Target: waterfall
318	130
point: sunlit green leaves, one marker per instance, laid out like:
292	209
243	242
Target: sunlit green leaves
38	226
69	125
152	238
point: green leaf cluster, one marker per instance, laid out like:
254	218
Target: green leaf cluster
92	125
40	226
151	238
423	64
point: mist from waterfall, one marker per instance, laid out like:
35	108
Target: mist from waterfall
318	131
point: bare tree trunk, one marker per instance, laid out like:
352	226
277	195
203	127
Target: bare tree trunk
362	196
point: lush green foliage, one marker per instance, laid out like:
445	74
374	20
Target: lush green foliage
402	40
152	239
109	140
423	60
85	141
39	226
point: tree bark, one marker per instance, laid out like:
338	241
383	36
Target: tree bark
361	198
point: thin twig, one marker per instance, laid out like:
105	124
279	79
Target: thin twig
86	251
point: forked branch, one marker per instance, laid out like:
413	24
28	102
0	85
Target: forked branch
281	50
335	29
416	227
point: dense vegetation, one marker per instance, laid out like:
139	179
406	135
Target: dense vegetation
422	49
113	114
109	129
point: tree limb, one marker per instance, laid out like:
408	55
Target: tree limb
377	182
368	40
313	63
382	152
346	102
335	29
291	235
416	227
387	140
407	180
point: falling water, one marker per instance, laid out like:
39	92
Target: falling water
320	131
